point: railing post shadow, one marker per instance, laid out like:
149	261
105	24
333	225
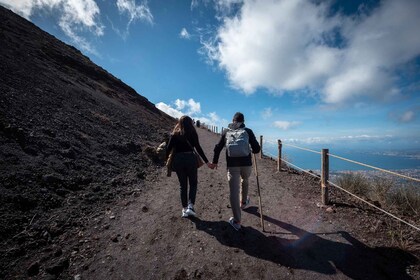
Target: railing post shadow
324	176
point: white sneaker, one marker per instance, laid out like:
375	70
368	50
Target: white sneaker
184	213
234	224
246	204
190	210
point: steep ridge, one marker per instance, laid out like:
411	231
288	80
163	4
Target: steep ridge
72	137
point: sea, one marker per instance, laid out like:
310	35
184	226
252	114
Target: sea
403	162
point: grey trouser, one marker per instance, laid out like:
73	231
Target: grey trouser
238	184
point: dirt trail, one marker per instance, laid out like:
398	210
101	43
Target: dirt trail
144	236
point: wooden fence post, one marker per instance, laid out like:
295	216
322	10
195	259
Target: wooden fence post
261	145
279	157
324	176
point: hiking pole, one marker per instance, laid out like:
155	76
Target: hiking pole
259	194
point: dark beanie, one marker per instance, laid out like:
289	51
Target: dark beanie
238	117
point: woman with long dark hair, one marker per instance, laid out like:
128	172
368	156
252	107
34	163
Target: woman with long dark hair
183	140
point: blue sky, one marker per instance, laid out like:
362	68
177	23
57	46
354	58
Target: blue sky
319	74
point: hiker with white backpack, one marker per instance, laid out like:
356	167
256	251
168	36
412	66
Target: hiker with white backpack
239	141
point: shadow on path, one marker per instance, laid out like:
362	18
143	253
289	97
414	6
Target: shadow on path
310	252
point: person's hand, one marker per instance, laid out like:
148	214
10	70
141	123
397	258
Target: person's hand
211	165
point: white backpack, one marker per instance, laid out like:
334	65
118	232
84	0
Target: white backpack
237	143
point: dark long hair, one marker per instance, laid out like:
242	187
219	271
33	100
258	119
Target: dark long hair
185	127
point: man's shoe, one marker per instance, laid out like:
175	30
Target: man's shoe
246	204
234	224
190	210
184	213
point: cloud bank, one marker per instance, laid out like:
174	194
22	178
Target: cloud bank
286	125
191	108
75	16
79	16
294	45
134	12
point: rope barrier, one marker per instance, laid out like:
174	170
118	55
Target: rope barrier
295	166
307	172
374	206
356	162
346	191
305	149
373	167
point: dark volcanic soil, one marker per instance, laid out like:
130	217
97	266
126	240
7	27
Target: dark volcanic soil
72	139
84	196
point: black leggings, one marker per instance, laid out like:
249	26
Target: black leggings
185	165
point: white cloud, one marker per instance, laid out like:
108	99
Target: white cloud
75	16
182	107
180	104
169	110
407	117
195	107
184	34
22	7
339	139
134	12
404	117
79	16
267	113
194	4
191	108
295	45
285	125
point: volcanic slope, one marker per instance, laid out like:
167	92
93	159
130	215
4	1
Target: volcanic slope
72	137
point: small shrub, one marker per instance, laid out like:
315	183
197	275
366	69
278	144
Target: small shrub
355	183
392	195
380	189
406	199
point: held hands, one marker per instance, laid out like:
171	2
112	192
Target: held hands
212	165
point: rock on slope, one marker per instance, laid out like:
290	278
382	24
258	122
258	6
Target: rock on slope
72	137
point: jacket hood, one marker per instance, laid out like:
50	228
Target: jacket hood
236	125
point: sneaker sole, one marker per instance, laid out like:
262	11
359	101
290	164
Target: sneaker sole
191	214
237	229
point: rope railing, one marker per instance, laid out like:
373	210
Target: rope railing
356	162
295	166
376	168
374	206
325	182
300	148
301	169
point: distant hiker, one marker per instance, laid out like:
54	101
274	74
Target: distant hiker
237	139
183	140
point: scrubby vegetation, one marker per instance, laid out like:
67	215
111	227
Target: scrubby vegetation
393	195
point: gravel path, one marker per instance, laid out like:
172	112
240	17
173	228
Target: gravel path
146	238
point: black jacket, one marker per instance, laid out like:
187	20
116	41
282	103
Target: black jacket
237	161
179	142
